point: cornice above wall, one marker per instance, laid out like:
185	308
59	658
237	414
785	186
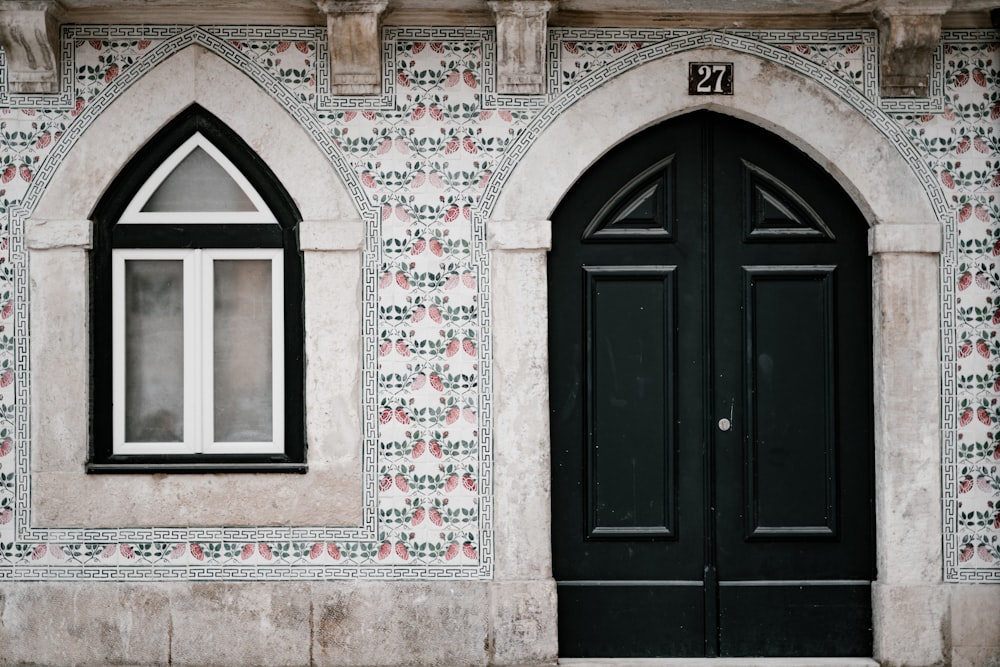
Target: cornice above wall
609	13
909	29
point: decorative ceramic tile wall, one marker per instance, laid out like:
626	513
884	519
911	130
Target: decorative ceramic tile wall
962	145
425	162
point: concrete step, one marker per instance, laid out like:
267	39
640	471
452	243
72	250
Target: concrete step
717	662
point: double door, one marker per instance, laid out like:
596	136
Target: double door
710	375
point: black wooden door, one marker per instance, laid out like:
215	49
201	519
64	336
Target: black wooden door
710	347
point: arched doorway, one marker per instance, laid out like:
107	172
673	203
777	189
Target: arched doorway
710	369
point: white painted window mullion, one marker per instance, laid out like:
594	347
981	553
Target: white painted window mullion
118	351
278	348
201	335
191	397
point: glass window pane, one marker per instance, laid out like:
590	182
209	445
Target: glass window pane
154	350
242	351
198	183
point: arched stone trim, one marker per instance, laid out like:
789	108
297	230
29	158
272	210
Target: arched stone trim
800	109
892	193
192	74
58	235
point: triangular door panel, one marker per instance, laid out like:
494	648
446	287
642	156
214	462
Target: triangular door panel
643	209
774	212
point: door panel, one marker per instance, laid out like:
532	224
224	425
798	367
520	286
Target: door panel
650	618
789	402
630	314
706	270
779	619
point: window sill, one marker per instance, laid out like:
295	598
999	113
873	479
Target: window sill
204	467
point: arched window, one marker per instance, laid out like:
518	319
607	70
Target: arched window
197	308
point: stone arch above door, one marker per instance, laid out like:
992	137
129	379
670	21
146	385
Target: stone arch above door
905	237
799	109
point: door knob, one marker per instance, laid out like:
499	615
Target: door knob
725	424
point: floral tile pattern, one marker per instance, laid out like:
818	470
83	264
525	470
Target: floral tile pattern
425	161
961	145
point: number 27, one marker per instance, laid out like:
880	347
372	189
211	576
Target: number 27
711	78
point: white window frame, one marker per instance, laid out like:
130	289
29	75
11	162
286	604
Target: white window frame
198	345
134	213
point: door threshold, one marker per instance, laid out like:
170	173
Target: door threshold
718	662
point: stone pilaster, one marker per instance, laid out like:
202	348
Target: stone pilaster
909	600
523	599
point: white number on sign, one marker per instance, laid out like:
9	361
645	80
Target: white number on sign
711	78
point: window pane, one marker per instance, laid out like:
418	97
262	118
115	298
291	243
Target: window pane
154	350
198	183
242	351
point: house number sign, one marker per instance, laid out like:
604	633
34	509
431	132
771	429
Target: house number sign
710	78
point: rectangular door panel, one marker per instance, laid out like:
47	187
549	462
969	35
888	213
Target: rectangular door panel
788	618
791	469
630	394
631	620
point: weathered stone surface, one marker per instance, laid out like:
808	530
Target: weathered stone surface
975	656
524	623
975	625
331	234
908	35
521	422
59	366
224	624
355	48
522	37
85	623
519	235
48	234
910	624
907	441
901	237
333	370
419	624
76	499
29	34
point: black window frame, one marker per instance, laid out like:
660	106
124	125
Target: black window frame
108	235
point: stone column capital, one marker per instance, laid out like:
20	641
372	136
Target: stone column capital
355	47
352	6
40	234
519	235
905	238
29	35
908	35
330	235
522	37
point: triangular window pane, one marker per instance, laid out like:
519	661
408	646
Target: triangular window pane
198	183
